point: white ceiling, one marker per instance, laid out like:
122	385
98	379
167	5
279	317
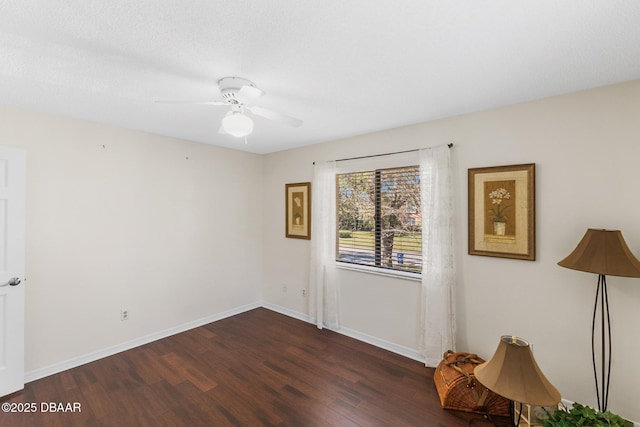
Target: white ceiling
345	67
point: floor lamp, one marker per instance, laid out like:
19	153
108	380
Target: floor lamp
512	372
605	253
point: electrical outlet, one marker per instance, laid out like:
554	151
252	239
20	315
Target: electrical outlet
284	288
304	292
124	314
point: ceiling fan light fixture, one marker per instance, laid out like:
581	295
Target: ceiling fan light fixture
237	124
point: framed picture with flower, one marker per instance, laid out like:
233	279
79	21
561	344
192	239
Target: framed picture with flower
502	211
298	210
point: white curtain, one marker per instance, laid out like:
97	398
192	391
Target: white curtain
437	321
323	293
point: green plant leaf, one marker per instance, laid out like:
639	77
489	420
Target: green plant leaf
583	416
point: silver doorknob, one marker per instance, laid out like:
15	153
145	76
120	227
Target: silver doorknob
12	282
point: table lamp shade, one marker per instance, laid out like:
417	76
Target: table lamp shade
603	252
513	373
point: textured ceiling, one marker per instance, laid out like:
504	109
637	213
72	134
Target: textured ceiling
343	67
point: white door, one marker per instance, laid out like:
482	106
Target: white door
12	253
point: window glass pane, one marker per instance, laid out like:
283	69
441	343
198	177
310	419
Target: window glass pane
379	220
401	225
356	217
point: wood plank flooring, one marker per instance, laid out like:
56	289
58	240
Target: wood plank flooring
258	368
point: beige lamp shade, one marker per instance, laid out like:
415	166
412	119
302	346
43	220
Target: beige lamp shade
513	373
603	252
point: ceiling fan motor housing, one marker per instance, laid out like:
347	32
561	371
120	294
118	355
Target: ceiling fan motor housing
230	86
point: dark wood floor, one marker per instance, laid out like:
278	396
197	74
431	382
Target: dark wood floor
259	368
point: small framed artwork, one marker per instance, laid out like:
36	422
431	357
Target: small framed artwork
298	210
502	211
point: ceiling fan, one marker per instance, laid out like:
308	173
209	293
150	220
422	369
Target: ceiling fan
240	94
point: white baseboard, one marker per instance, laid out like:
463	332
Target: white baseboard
386	345
287	312
87	358
109	351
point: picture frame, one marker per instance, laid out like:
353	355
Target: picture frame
298	210
502	211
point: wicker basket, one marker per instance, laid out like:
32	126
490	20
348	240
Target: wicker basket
459	390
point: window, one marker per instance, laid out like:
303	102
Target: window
379	219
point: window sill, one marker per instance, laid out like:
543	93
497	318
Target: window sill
396	274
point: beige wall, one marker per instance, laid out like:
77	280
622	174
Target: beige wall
586	148
170	230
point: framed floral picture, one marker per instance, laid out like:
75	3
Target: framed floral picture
298	210
502	211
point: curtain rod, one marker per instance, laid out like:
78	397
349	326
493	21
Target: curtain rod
385	154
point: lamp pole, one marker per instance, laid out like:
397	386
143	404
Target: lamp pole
605	338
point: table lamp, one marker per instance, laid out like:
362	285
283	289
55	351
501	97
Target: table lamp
512	372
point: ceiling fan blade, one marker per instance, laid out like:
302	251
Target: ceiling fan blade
192	102
249	94
278	117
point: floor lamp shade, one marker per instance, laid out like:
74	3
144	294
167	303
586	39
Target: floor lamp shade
513	373
603	252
